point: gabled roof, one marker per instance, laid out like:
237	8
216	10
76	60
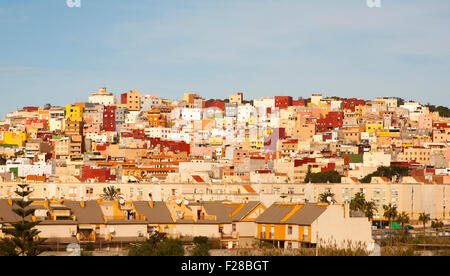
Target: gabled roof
198	179
307	214
218	209
248	188
275	213
158	214
91	213
298	214
244	211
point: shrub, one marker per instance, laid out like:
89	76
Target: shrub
200	240
90	246
201	250
170	247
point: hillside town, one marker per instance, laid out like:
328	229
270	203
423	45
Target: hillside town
233	169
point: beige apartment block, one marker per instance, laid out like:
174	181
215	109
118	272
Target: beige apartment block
412	197
419	154
133	100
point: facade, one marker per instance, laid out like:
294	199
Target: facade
293	225
232	151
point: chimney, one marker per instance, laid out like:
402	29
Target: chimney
150	203
83	204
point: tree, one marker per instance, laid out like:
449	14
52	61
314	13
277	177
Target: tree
424	218
201	250
390	212
111	194
436	225
323	177
327	197
157	245
358	202
403	218
369	209
201	247
24	240
170	247
388	172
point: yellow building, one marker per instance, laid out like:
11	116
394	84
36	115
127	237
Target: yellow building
419	154
74	113
374	125
12	138
388	133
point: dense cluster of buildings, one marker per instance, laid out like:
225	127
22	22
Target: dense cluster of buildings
234	225
229	150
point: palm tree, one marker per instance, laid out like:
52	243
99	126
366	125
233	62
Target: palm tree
111	194
390	212
327	197
369	209
358	202
424	218
403	218
436	224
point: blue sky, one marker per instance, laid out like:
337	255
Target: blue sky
50	53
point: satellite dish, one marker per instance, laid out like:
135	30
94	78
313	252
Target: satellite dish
178	201
186	202
112	230
122	202
329	199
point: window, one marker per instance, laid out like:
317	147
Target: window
289	230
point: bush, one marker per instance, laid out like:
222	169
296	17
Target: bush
200	240
85	253
170	247
157	245
166	247
142	249
398	251
90	246
201	250
323	177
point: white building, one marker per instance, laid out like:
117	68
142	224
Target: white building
103	98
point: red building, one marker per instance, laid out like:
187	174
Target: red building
30	108
441	125
351	103
215	103
329	168
109	118
135	134
301	162
283	101
124	98
100	175
173	146
299	102
332	120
